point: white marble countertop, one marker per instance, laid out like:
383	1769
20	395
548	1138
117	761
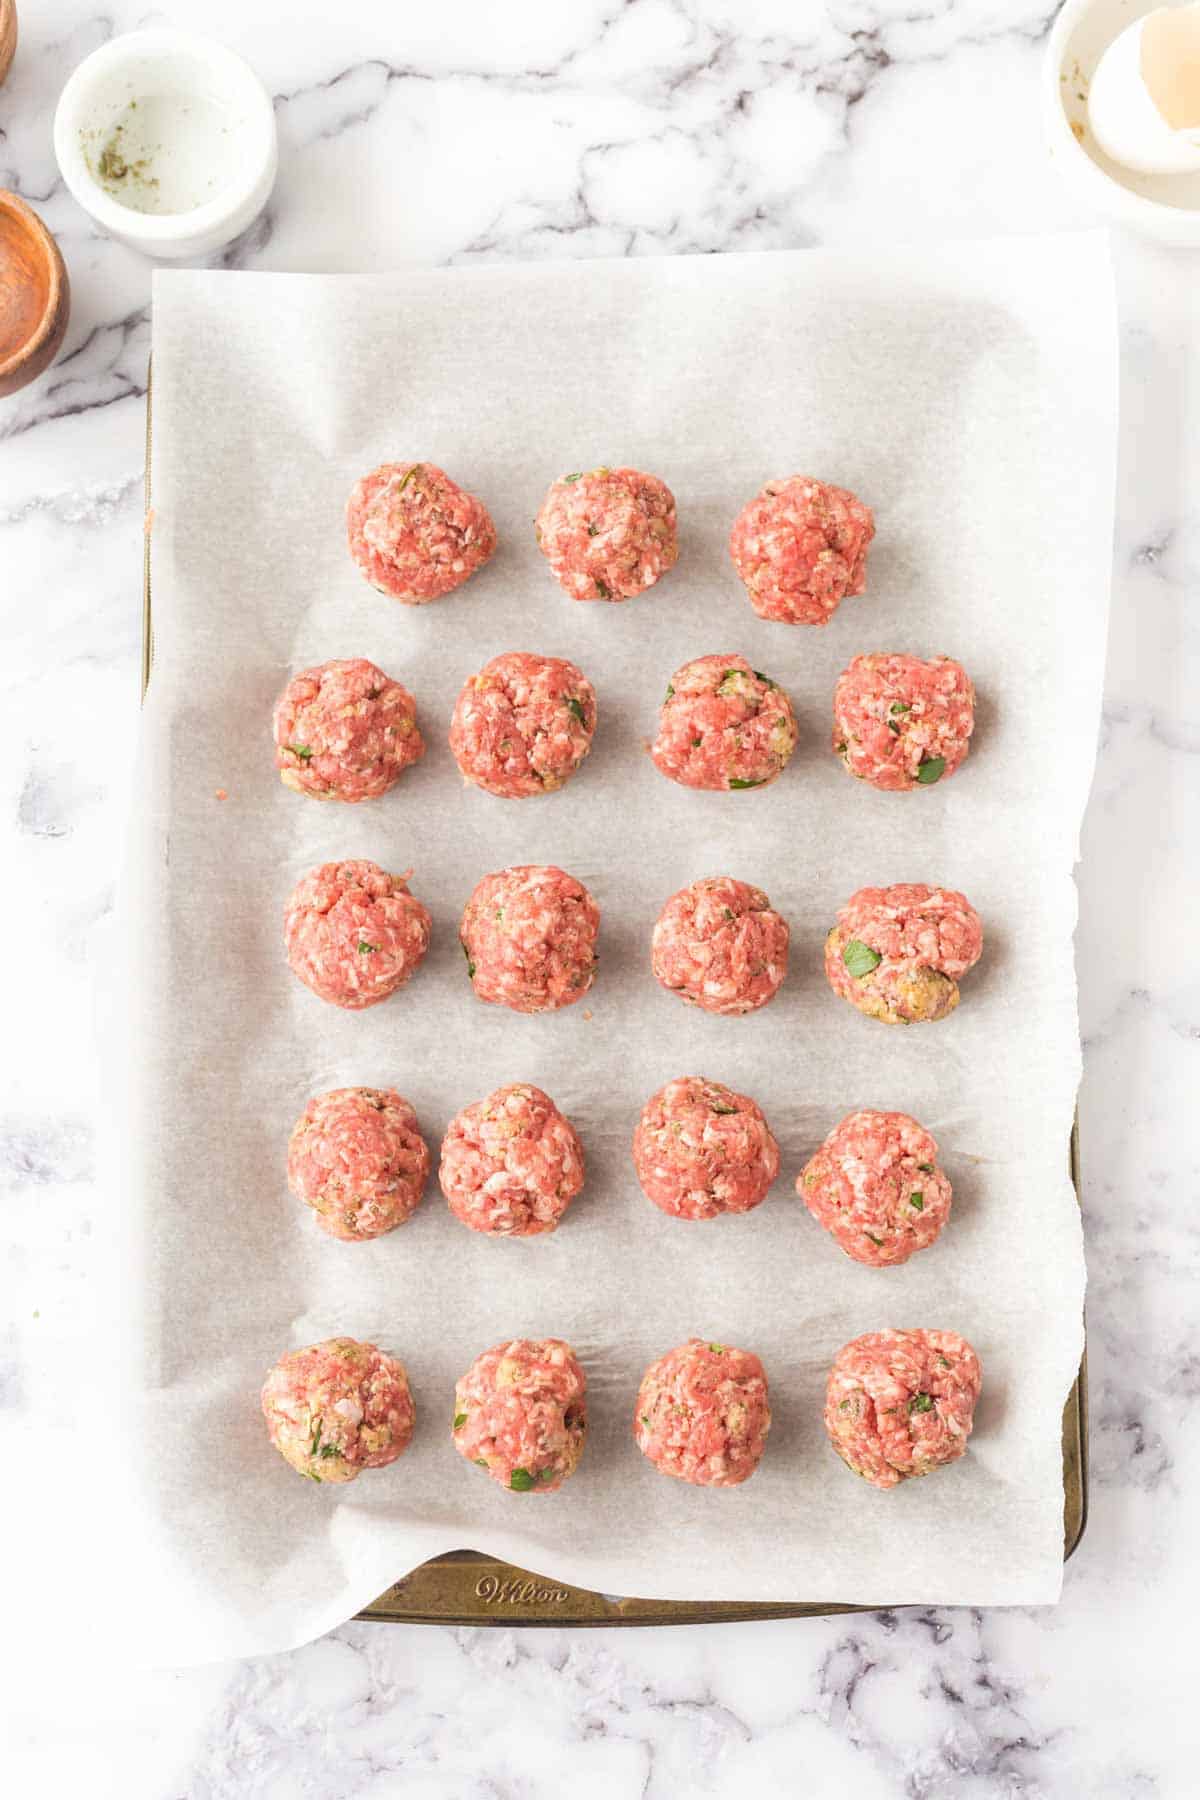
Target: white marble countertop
603	128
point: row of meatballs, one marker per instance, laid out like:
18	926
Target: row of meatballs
354	934
800	546
511	1165
345	730
897	1404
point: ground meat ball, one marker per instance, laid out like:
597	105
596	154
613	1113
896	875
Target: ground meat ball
897	953
719	945
800	546
702	1414
511	1164
701	1149
901	1403
875	1186
608	535
354	933
529	934
523	725
414	533
337	1408
357	1158
901	723
723	725
345	731
520	1413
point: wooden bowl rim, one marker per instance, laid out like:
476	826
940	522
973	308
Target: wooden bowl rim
52	256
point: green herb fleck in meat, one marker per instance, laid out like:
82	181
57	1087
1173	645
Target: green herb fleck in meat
737	781
860	959
602	589
878	1242
407	478
577	476
921	1403
573	706
925	1168
917	1200
520	1481
328	1450
765	679
717	1349
900	706
670	692
722	1110
547	1474
931	770
727	912
459	1419
303	751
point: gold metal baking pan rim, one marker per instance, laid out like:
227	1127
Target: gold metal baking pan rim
465	1587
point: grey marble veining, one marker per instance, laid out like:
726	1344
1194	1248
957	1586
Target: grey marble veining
449	135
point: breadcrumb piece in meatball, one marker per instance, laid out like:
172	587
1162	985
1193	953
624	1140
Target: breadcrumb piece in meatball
901	1403
520	1413
608	534
414	533
800	546
898	953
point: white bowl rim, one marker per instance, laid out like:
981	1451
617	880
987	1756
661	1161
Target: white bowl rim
1179	223
236	77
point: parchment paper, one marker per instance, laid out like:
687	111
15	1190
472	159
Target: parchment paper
968	395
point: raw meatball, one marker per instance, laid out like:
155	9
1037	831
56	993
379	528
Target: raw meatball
719	945
529	934
337	1408
901	723
523	725
800	546
511	1164
354	933
608	535
875	1186
723	725
701	1149
345	731
357	1158
897	953
414	533
702	1414
520	1413
901	1403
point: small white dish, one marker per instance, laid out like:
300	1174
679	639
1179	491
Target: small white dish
1166	207
168	141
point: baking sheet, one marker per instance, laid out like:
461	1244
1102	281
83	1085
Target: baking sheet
969	396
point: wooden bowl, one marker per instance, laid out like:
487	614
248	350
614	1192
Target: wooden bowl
8	35
35	296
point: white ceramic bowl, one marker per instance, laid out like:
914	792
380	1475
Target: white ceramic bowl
168	141
1166	207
